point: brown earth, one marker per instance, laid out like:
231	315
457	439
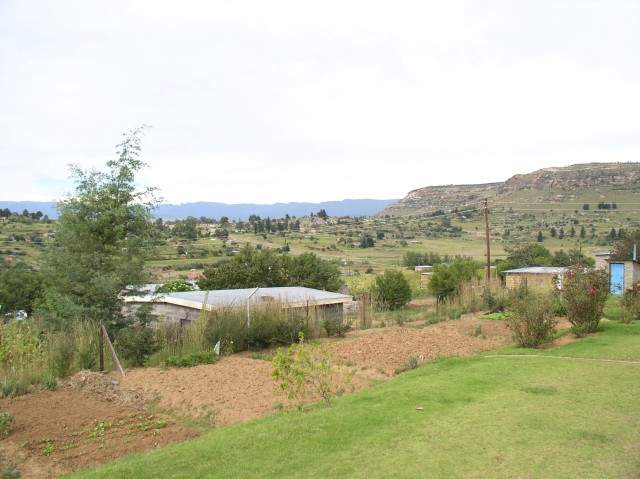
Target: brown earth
97	418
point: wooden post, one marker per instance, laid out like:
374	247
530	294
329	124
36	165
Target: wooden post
113	351
101	343
486	221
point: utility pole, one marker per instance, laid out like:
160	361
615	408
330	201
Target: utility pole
486	222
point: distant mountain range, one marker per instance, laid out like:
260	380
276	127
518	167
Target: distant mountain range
241	212
573	185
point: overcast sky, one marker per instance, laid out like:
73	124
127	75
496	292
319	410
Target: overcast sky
283	101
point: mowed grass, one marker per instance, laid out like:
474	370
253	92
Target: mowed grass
499	417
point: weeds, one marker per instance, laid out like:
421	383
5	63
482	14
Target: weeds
409	364
6	421
191	360
477	330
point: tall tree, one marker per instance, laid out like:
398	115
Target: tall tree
264	268
102	239
623	248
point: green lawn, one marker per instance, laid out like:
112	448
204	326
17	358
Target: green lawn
499	417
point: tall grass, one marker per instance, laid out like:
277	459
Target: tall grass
478	295
271	323
30	353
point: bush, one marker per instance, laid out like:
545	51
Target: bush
336	328
271	326
409	364
585	294
305	368
630	305
6	420
392	289
15	387
191	360
531	318
136	344
62	356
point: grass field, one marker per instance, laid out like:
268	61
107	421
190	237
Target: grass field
545	415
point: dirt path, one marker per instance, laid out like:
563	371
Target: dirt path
96	418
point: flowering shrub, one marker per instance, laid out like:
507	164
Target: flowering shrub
531	318
630	305
585	294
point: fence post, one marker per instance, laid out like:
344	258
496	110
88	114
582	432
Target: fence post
103	333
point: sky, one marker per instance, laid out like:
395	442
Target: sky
294	101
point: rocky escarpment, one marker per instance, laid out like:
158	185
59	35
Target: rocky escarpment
592	175
570	179
445	197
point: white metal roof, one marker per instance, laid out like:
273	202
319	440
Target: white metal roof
538	270
293	296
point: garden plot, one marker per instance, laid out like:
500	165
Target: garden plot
97	418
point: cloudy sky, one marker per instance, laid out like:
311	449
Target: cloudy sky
281	101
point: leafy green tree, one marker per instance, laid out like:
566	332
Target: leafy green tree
392	289
623	248
176	286
446	279
521	255
264	268
367	242
20	289
311	271
187	228
102	240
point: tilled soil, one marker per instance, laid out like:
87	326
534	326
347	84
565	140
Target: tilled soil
97	418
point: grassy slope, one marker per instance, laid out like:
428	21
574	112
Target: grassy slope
483	417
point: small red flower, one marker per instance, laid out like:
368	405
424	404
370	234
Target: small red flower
593	291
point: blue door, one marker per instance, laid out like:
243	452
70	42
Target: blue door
616	278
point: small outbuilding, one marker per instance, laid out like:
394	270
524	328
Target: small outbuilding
623	275
539	277
185	307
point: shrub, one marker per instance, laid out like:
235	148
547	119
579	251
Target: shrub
62	355
336	328
191	360
489	298
409	364
6	420
49	382
392	289
305	368
630	305
15	387
136	344
531	319
585	294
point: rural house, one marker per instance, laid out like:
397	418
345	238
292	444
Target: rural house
184	307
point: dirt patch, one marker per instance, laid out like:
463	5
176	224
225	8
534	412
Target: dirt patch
95	418
56	432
